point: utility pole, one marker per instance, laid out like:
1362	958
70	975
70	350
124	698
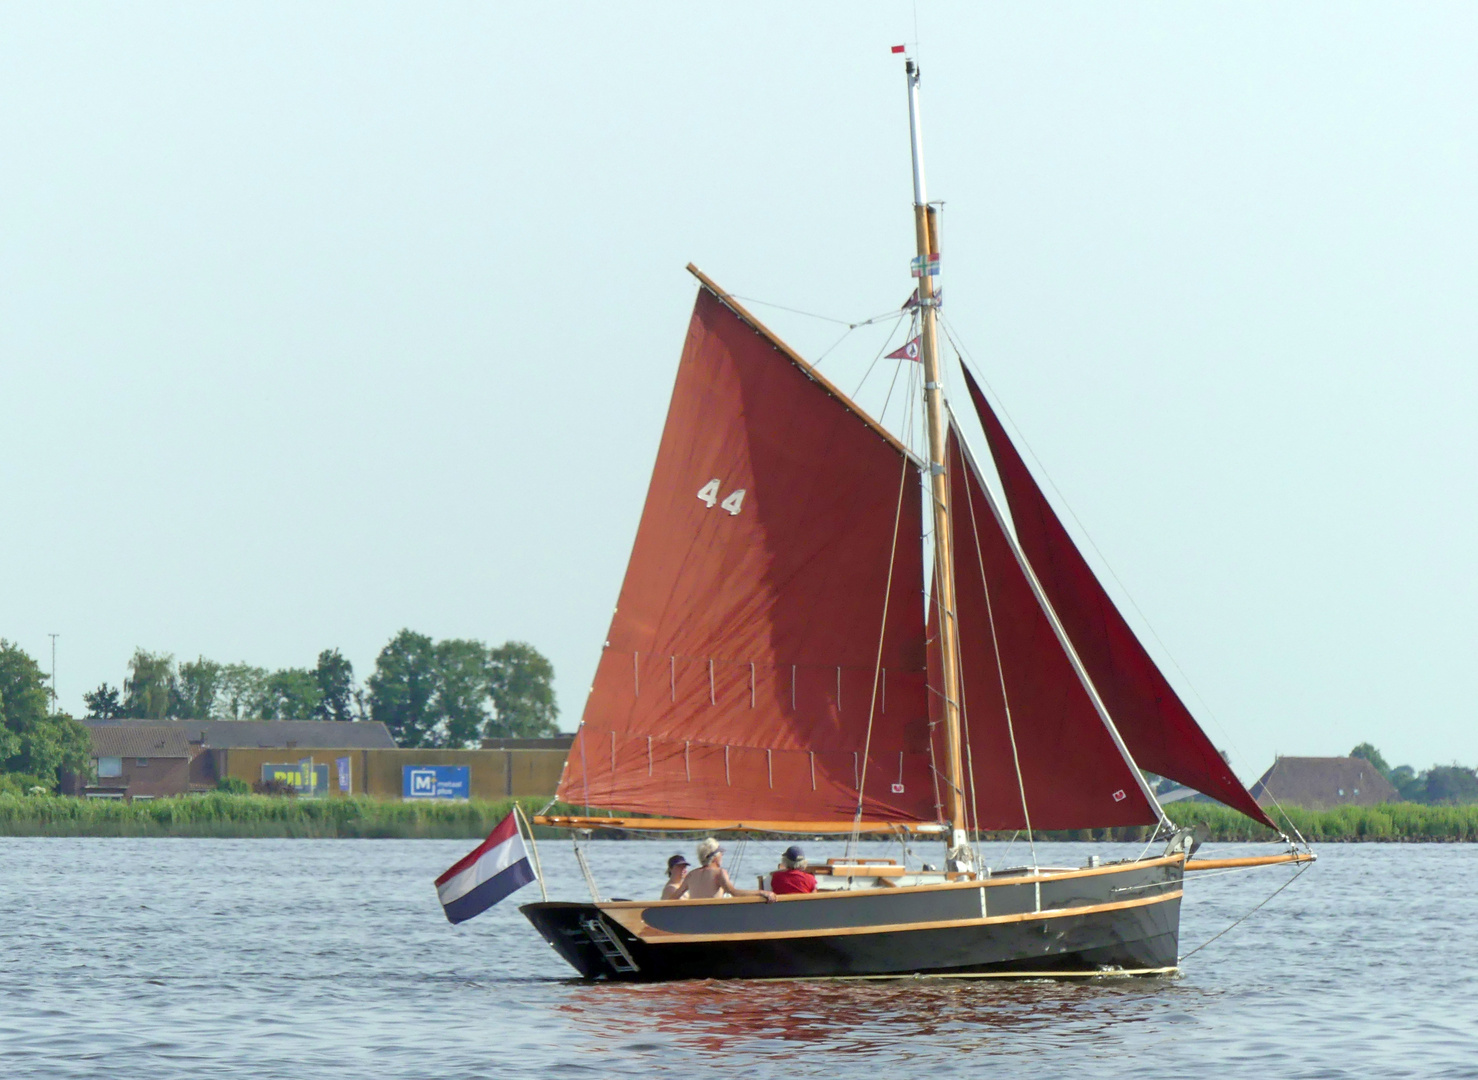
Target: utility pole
53	671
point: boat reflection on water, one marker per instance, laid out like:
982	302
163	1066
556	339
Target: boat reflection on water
866	1016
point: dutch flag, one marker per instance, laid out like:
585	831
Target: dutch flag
496	867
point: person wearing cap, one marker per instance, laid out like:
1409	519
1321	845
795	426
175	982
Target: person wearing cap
677	869
791	876
711	880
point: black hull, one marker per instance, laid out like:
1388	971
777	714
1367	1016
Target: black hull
1124	918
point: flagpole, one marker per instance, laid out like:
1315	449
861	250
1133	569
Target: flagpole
926	266
527	827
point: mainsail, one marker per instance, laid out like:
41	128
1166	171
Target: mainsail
772	606
1072	775
1159	730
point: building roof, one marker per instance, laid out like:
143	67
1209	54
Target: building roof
555	742
273	734
139	740
1317	783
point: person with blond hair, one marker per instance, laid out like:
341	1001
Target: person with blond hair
711	880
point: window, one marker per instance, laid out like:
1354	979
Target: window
145	761
110	766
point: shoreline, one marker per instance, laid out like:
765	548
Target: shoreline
222	816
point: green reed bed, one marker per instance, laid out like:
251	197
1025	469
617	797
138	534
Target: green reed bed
1391	822
223	815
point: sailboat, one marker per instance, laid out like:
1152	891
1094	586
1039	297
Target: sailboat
782	660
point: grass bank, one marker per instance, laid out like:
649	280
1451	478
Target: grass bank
223	815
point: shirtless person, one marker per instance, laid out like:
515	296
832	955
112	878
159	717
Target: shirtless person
711	879
677	869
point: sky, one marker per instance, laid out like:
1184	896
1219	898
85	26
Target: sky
317	322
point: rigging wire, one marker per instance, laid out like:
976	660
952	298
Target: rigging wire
739	850
878	665
886	342
850	325
1009	845
1244	918
969	757
908	409
584	866
1001	674
816	363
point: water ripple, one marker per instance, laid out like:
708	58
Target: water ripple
290	958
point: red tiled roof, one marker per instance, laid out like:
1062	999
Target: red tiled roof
138	740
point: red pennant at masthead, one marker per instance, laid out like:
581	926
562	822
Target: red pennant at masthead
908	352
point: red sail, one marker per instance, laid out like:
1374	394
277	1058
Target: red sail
737	678
1073	775
1159	730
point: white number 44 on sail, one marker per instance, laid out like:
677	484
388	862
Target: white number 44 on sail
709	494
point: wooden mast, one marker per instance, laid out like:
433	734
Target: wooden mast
926	267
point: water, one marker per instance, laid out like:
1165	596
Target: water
296	958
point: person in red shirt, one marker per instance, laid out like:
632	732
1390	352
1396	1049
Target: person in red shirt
791	876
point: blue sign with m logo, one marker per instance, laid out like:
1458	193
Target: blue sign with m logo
435	782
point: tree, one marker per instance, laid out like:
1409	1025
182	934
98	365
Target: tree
1372	755
104	703
1410	786
196	687
521	685
148	689
290	694
1451	784
242	693
402	687
461	701
34	743
335	678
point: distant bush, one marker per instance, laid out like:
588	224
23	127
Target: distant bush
277	788
233	785
23	784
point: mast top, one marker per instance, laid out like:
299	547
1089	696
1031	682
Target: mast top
916	133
